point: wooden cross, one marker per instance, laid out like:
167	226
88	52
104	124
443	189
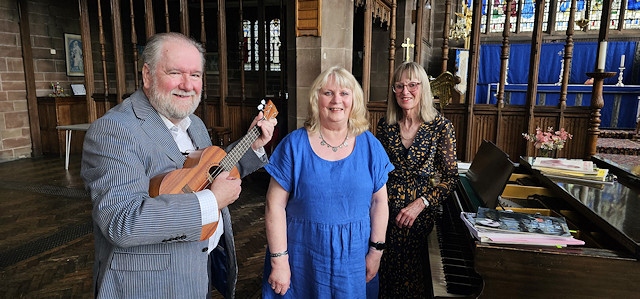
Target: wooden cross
406	47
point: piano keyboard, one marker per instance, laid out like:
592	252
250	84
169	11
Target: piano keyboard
451	258
437	272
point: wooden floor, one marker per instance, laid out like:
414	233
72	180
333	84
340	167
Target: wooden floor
46	239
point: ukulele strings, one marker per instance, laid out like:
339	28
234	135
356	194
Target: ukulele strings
235	154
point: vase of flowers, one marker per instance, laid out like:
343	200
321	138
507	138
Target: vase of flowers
548	142
547	153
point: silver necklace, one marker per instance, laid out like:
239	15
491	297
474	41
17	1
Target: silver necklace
334	148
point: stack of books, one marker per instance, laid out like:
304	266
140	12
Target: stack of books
571	169
506	227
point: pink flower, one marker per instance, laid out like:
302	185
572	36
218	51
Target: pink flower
549	139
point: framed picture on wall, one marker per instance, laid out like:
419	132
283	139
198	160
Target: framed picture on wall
73	54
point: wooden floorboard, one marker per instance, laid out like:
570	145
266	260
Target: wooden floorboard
46	239
46	243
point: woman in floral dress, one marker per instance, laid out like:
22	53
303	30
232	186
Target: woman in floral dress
421	144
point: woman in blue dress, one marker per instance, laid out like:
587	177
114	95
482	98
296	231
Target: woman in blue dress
326	210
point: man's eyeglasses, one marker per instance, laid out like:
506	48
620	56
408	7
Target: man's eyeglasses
411	86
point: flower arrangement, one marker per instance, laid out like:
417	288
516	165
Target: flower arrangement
548	140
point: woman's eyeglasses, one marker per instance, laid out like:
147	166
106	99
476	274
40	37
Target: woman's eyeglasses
411	86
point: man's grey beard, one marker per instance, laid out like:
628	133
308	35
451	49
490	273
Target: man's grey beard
164	103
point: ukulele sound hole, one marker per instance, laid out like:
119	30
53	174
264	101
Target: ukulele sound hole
215	171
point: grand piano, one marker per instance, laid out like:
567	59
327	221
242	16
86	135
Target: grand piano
605	216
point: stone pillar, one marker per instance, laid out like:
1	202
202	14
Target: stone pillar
310	55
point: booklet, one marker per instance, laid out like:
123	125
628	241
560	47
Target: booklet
504	227
521	223
571	165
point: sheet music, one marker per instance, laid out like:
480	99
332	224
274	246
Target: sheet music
78	89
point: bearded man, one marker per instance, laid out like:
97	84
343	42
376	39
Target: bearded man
159	247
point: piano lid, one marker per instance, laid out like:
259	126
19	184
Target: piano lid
489	173
613	208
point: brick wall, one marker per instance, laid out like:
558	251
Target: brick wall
48	21
15	141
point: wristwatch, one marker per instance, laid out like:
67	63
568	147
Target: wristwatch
425	201
377	245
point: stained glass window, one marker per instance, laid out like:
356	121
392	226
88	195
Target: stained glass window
587	17
632	15
274	55
248	44
251	45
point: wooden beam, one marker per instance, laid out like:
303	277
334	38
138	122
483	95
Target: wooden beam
149	22
134	44
417	56
27	62
262	49
118	49
597	101
392	46
474	62
103	57
222	63
504	61
184	18
87	55
568	56
366	49
534	68
445	35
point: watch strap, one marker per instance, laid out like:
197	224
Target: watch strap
425	201
378	245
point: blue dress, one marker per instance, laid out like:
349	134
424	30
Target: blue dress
328	223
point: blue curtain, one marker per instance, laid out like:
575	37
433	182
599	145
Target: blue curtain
551	57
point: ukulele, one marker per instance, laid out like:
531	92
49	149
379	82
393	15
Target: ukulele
204	165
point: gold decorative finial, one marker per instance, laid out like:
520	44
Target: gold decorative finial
583	24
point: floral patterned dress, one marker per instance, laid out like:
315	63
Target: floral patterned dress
404	271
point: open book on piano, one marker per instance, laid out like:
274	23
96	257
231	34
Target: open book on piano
504	227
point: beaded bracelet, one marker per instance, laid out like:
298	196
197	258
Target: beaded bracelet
277	254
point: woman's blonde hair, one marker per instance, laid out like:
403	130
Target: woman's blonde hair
358	118
412	71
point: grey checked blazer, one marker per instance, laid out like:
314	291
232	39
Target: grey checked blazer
147	247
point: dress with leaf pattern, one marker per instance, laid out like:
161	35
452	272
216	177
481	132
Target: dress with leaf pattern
404	270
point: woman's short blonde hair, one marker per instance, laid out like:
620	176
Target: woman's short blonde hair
358	118
413	71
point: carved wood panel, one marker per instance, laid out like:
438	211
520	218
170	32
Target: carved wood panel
308	18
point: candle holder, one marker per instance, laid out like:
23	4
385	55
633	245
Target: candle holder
620	76
597	102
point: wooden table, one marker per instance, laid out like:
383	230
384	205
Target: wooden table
68	130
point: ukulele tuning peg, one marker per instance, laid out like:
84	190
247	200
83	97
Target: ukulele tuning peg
260	107
263	102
